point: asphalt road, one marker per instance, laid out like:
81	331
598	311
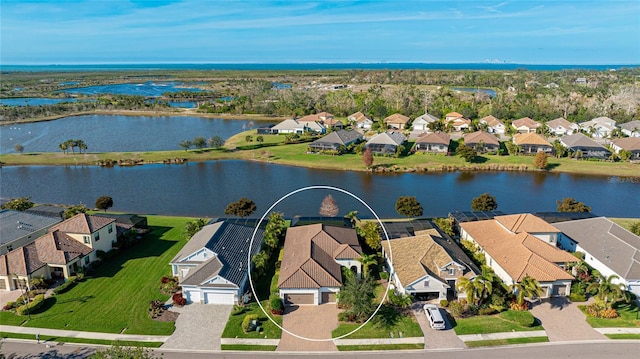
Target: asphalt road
583	350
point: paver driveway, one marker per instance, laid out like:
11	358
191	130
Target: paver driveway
563	321
309	321
436	339
199	327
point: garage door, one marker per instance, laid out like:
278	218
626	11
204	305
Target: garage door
635	289
3	284
218	298
193	297
328	297
293	299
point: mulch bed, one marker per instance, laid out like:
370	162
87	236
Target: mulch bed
167	316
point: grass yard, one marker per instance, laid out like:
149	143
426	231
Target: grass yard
509	341
346	348
623	336
245	347
381	326
115	298
482	324
48	338
625	222
629	317
233	329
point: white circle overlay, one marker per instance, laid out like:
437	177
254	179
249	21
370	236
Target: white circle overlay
254	235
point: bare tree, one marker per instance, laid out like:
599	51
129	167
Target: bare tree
329	208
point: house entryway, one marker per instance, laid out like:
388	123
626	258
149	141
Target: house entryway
309	321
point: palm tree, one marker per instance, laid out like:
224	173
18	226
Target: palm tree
367	260
528	287
476	288
64	147
81	145
607	291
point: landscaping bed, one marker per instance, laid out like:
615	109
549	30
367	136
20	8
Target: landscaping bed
233	329
628	317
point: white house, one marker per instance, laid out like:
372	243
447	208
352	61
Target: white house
599	127
513	252
494	125
561	127
607	247
360	120
631	129
421	123
212	268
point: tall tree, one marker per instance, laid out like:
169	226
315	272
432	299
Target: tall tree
19	148
367	260
73	210
528	287
367	157
186	144
19	204
569	204
469	153
408	206
199	142
369	232
193	227
540	160
484	202
606	290
241	208
104	203
216	142
329	207
356	296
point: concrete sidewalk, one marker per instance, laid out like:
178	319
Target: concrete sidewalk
618	330
380	341
505	335
85	335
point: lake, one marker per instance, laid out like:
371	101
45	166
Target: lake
490	92
33	101
115	133
147	89
204	189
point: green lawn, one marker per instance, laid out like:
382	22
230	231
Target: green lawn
381	326
623	336
625	222
509	341
49	338
233	329
482	324
262	348
346	348
115	298
629	317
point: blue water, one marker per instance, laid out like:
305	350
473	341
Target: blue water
280	86
490	92
106	133
313	66
147	89
183	104
69	83
34	101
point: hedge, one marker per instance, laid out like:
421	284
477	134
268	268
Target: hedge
31	306
246	322
66	286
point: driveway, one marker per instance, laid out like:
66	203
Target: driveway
437	339
9	296
199	327
309	321
563	321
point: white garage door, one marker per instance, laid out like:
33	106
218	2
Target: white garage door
218	298
193	297
635	289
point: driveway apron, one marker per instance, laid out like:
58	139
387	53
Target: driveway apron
563	321
437	339
199	327
309	321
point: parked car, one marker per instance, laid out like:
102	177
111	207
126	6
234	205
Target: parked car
433	315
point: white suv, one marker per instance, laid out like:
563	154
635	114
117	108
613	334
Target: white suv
435	318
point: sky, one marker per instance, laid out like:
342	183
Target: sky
197	31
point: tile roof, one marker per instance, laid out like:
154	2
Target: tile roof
630	126
427	118
580	140
52	248
525	122
530	139
453	114
397	118
628	143
560	122
17	224
420	255
83	223
480	136
519	254
609	243
358	117
434	137
309	255
491	121
289	124
525	222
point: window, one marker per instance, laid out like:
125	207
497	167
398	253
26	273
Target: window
452	271
97	236
110	228
86	239
86	260
426	283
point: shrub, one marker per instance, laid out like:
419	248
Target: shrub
31	306
576	297
66	286
457	308
247	325
238	309
384	275
9	306
487	311
273	288
444	303
522	318
519	307
608	313
178	299
277	307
